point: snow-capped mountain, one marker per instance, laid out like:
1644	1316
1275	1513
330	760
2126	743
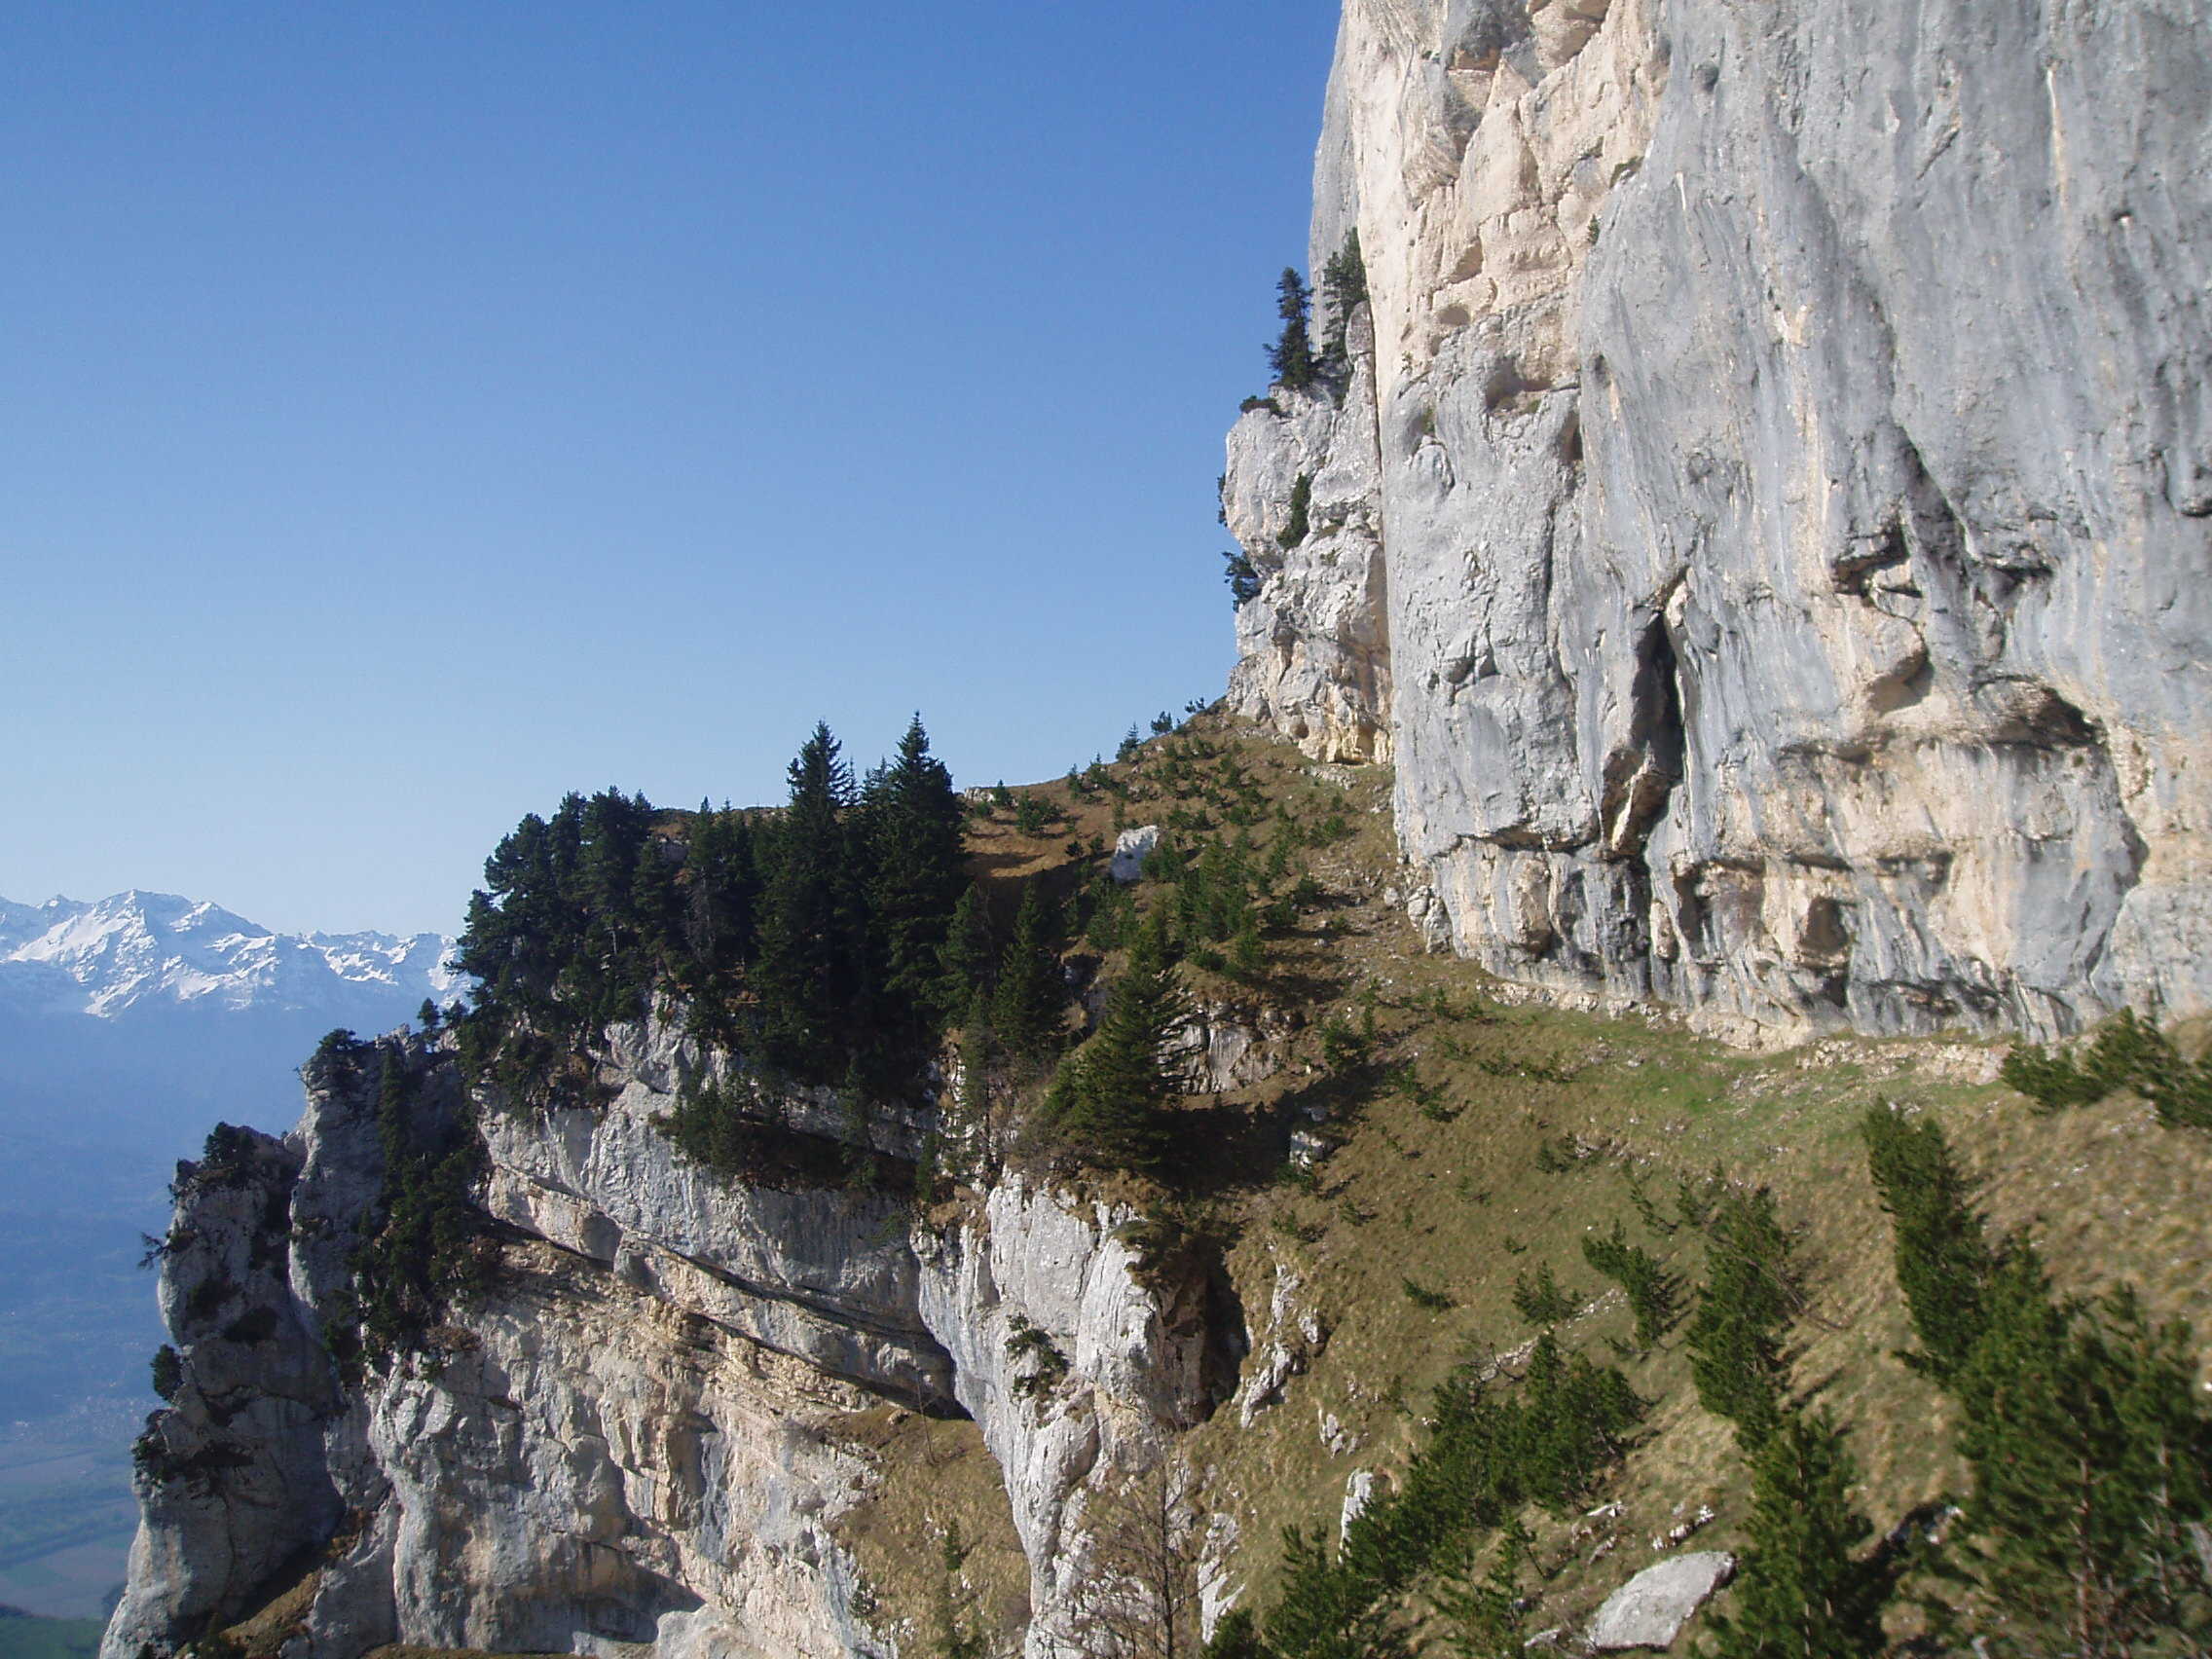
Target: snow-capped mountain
128	1027
137	950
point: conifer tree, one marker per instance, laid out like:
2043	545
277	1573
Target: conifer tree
919	857
1242	578
1943	1257
2092	1472
655	906
721	885
1482	1614
1291	358
969	959
1743	1312
1113	1094
1652	1291
1328	1612
1027	1001
1343	289
1237	1635
807	972
1803	1592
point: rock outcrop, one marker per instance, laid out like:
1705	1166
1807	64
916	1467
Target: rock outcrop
636	1435
1770	527
1652	1608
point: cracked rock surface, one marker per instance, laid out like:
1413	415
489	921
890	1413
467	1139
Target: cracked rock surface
1769	528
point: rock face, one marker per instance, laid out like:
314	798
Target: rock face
635	1436
1770	527
231	1479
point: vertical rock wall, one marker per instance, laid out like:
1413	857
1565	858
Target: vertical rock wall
637	1438
1789	505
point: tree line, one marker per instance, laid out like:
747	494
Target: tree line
813	937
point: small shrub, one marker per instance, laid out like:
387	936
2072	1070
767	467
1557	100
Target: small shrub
1027	1344
1420	1296
1343	1048
169	1371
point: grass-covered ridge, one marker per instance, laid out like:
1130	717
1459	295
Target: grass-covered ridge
1511	1185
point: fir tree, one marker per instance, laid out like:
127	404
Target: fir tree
1944	1259
1483	1615
1803	1592
2092	1472
1027	1001
1327	1610
1654	1293
1343	289
1237	1635
919	858
808	969
168	1373
721	898
1113	1092
969	959
1743	1312
1242	578
1290	359
655	906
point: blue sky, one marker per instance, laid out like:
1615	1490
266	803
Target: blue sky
409	412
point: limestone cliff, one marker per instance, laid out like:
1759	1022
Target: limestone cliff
638	1435
1770	527
1765	515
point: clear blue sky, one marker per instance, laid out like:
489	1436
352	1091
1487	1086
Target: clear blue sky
409	412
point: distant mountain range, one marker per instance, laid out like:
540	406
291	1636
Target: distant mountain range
134	950
129	1025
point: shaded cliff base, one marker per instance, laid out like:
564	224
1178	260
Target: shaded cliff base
1372	1215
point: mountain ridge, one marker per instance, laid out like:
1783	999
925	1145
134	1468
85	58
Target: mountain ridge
137	948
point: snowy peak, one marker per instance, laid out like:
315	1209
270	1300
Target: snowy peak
139	949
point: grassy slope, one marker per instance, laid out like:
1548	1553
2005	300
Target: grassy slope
1449	1192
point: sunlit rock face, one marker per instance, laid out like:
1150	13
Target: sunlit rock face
638	1434
1778	566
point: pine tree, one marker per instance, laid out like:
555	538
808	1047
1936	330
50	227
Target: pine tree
1944	1259
1743	1312
1114	1091
1803	1592
917	847
2092	1472
1290	359
808	970
969	959
1027	1001
1343	289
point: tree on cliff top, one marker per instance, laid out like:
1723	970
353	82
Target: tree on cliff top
1291	358
810	945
